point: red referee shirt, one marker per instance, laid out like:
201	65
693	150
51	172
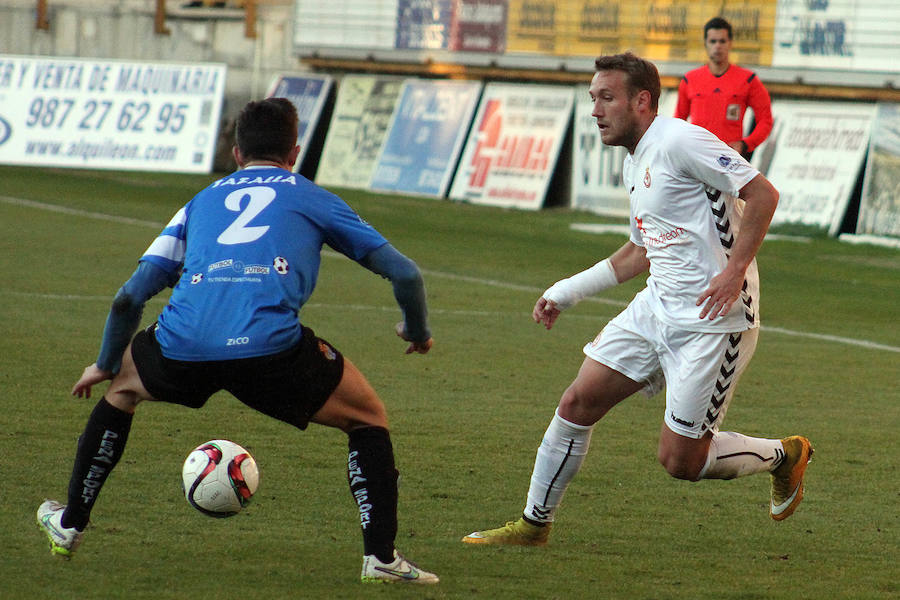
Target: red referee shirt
718	103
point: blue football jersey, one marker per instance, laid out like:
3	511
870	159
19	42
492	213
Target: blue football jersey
248	248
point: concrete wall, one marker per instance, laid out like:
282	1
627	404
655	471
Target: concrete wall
125	29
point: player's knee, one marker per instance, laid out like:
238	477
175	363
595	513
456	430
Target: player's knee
679	468
349	414
579	407
375	415
569	400
122	400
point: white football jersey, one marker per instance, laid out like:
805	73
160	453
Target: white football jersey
683	184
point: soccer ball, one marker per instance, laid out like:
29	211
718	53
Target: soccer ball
281	265
219	478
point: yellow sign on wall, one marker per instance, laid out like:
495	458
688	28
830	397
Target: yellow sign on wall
532	26
654	29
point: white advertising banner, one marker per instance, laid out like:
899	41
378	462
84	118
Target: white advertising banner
840	34
345	23
879	207
359	123
814	156
597	168
109	114
513	146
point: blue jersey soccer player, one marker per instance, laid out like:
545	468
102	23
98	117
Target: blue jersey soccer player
243	256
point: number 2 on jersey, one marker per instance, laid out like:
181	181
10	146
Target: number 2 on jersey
238	232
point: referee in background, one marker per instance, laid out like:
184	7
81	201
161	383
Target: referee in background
716	95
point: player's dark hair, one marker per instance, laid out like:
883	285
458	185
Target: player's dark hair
267	129
641	74
717	23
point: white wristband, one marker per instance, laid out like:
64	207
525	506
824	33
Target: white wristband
569	292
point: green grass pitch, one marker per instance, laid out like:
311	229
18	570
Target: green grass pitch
466	420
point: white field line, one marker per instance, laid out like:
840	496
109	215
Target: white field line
624	229
80	213
431	273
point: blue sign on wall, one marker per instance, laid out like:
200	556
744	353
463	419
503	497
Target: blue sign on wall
426	136
308	94
424	24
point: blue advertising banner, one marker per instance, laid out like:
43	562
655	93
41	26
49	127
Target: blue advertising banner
308	94
424	24
425	137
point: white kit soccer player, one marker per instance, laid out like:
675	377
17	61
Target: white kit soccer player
693	328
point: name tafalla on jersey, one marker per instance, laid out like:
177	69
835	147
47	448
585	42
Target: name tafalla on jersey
256	180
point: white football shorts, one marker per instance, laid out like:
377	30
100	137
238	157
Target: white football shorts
700	370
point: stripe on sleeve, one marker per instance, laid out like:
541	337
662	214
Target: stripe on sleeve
168	247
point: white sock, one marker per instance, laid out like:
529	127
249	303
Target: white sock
559	458
733	454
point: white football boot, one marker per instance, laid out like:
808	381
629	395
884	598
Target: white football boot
63	540
399	571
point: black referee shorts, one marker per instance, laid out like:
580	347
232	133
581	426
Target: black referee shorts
290	386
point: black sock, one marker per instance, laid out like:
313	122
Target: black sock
99	449
373	483
533	522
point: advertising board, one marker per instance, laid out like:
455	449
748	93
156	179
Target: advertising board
370	24
362	113
837	35
814	157
308	94
425	137
479	26
109	114
879	207
513	146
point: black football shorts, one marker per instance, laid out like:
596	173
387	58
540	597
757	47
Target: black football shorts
290	386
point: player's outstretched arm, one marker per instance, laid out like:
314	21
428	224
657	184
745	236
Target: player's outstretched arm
625	263
126	311
409	291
